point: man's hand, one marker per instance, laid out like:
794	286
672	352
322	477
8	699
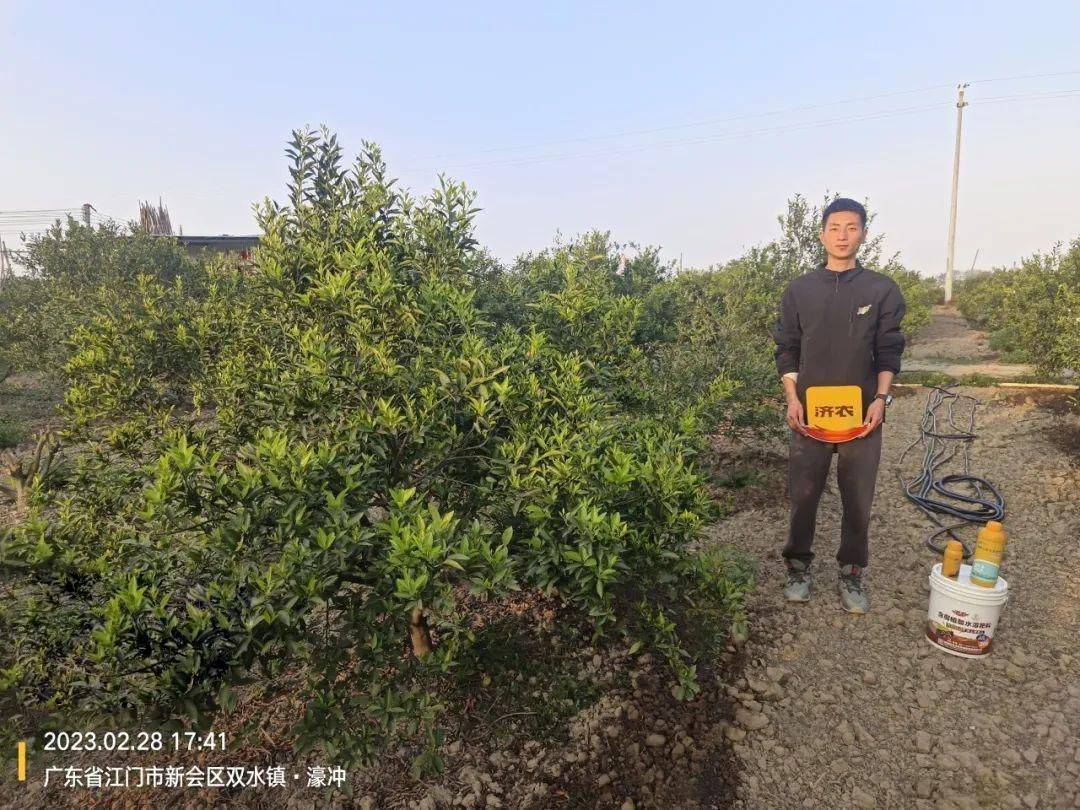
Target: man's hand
796	418
875	415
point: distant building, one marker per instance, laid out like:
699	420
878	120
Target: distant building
198	245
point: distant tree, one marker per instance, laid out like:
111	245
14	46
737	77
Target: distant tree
74	271
1031	311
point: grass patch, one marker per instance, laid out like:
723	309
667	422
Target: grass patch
10	435
739	478
952	361
939	378
977	380
925	378
1011	356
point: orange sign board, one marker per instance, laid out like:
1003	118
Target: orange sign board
834	407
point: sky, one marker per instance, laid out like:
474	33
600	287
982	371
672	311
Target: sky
682	125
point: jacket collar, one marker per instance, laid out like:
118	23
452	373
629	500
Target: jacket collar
825	274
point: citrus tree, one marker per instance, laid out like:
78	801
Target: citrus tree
316	465
1032	311
74	272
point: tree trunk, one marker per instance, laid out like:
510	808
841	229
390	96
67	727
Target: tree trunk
419	634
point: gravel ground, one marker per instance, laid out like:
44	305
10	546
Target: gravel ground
860	711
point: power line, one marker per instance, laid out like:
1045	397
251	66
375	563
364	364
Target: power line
729	119
32	215
702	139
33	218
509	162
1027	76
40	211
29	223
23	216
1051	94
691	124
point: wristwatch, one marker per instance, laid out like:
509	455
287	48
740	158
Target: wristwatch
886	397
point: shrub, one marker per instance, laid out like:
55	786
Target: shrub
1032	311
585	300
594	255
656	344
981	298
30	337
716	354
74	271
316	463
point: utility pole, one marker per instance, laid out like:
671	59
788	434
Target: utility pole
7	272
960	104
86	207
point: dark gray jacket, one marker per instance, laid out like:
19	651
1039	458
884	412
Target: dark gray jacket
840	329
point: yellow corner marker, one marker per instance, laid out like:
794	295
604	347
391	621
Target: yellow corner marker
22	762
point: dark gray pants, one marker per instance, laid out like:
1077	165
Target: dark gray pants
856	472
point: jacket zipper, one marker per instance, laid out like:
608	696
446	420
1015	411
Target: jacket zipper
836	298
850	315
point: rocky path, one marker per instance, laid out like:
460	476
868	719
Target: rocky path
838	710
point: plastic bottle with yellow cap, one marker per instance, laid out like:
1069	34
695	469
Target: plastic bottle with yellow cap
989	548
951	559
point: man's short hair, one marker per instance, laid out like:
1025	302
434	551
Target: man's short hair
843	204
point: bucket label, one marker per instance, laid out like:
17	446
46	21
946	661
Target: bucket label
960	631
984	570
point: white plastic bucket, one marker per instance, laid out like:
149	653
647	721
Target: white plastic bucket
962	617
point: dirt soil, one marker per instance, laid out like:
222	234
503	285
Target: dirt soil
950	346
630	746
869	713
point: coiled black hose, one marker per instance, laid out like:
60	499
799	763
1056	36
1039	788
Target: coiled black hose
960	494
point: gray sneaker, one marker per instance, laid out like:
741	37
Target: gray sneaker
851	589
798	581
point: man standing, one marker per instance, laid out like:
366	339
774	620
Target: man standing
839	325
